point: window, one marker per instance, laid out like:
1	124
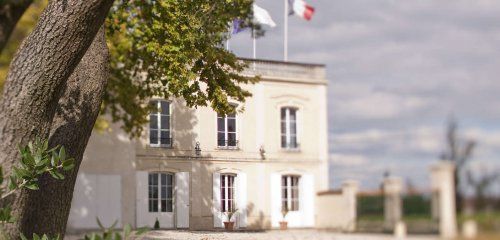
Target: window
227	192
289	128
290	192
159	124
160	192
226	130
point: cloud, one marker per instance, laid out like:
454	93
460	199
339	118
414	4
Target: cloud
397	70
348	160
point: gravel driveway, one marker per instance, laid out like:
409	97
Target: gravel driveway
273	235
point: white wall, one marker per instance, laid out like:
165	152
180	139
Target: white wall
96	196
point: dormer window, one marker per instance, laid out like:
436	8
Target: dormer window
159	124
289	128
226	131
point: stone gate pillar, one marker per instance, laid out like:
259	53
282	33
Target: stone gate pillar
442	183
393	206
350	192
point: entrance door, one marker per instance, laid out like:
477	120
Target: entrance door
155	200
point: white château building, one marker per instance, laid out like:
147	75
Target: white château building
191	165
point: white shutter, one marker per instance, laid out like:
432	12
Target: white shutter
216	211
275	199
141	198
306	200
182	199
241	199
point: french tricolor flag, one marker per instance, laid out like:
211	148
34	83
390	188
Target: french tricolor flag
301	8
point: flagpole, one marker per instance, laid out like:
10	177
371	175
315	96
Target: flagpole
254	44
254	48
285	38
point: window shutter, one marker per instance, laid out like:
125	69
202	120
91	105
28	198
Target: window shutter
182	199
141	198
306	199
216	201
241	199
275	199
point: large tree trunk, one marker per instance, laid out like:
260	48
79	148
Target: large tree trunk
36	81
10	13
72	126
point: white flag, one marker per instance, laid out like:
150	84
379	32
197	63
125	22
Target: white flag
261	16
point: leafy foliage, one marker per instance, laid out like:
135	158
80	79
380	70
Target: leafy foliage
37	237
109	233
230	214
36	159
173	48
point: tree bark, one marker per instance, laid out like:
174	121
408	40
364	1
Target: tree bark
36	81
76	114
10	13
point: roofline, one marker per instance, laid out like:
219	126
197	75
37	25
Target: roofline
276	61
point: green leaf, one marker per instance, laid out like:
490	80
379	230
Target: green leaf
23	237
118	236
126	230
13	182
57	175
32	186
62	153
68	164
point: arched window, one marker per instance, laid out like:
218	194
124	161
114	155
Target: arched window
290	192
160	192
289	128
159	124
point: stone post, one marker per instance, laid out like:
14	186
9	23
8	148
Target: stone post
350	192
392	201
442	180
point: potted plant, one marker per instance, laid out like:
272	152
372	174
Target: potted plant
229	224
284	223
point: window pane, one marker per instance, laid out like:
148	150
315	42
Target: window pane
221	124
169	192
293	142
165	137
163	205
221	141
231	125
283	141
154	205
231	139
153	137
293	127
163	179
283	127
153	121
165	107
283	114
293	114
170	179
169	205
165	122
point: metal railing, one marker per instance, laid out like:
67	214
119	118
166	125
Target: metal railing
160	142
223	143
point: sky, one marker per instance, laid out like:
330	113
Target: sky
397	71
